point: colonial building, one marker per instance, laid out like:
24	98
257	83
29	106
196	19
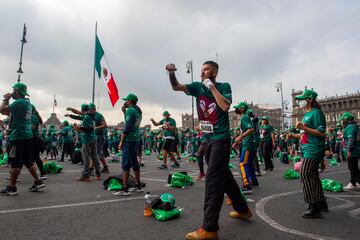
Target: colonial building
333	107
52	120
186	121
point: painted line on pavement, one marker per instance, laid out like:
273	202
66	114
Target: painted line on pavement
260	211
68	205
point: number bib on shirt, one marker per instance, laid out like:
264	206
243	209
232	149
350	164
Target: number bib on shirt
206	127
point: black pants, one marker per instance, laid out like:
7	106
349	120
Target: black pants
69	149
310	181
200	157
219	180
36	150
266	149
354	170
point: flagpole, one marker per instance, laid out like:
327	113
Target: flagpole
93	90
54	104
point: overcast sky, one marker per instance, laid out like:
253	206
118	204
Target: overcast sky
257	43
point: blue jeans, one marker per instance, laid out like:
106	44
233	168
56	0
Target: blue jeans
129	156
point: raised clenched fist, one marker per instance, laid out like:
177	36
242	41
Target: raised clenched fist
170	68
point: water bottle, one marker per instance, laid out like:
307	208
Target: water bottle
147	207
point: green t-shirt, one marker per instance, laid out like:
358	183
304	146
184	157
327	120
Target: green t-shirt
171	122
98	119
265	133
352	132
209	111
20	122
89	124
35	123
133	119
68	134
314	146
248	141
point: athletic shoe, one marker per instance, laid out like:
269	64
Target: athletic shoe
178	158
175	165
98	177
84	178
357	184
201	176
8	190
243	216
142	165
36	186
125	192
246	189
43	177
349	187
162	167
105	169
202	234
7	179
312	212
137	188
255	185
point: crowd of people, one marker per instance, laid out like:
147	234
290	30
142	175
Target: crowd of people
88	141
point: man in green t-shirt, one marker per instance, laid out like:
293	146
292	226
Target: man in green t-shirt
352	148
37	143
20	139
267	142
213	100
129	144
67	133
248	148
168	125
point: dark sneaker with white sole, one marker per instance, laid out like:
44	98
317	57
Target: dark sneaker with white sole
124	192
137	188
8	190
36	186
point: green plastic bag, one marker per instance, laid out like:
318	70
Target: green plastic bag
185	154
114	185
147	152
52	167
4	159
231	166
119	154
164	215
180	180
333	162
192	159
160	157
291	174
331	185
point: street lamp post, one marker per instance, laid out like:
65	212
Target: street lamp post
23	41
189	67
279	88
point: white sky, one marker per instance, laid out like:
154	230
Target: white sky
258	43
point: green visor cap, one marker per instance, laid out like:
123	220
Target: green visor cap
92	106
131	97
265	118
241	105
84	107
307	94
21	88
166	113
346	116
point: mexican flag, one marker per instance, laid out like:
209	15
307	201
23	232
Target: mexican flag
103	71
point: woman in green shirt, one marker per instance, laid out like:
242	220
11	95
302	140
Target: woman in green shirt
267	142
312	137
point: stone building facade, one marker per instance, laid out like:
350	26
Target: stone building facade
332	107
52	120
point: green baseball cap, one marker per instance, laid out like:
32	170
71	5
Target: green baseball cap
92	106
65	122
84	107
265	118
346	116
307	94
242	105
168	198
132	97
21	88
165	113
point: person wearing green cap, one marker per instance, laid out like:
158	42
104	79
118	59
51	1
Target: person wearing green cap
100	128
213	100
88	140
312	139
129	144
20	139
168	125
339	153
267	142
248	150
67	133
352	149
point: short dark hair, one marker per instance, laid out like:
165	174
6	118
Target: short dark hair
213	64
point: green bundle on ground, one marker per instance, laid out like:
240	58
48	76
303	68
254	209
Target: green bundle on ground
115	185
52	167
185	154
119	153
291	174
147	152
333	162
296	159
181	180
164	215
331	185
231	166
3	159
192	159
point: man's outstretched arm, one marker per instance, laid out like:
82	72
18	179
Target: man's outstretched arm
176	86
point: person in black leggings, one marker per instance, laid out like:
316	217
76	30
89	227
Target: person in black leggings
267	142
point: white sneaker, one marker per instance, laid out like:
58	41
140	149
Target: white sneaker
121	193
349	187
357	184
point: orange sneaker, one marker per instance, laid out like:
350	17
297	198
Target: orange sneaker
98	177
201	234
243	216
228	201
